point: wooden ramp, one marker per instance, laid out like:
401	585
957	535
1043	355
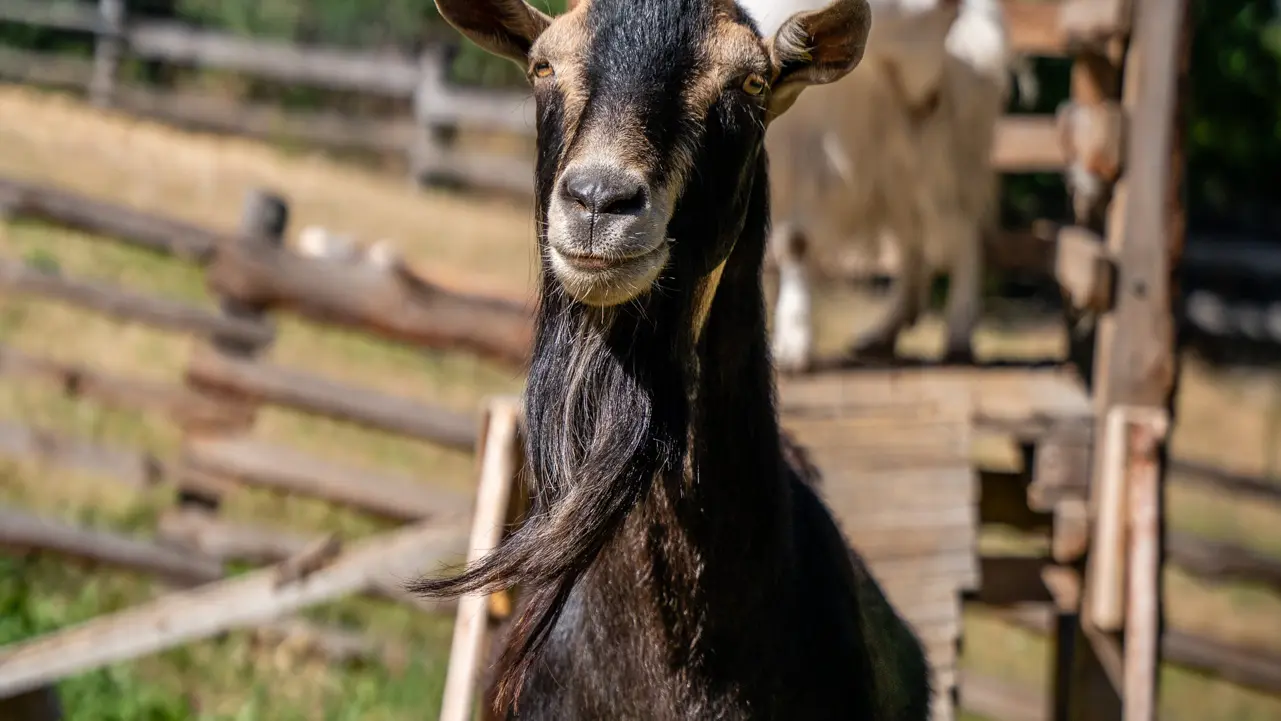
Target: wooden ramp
894	451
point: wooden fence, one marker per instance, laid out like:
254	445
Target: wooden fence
1024	143
227	381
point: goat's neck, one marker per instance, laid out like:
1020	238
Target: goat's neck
726	518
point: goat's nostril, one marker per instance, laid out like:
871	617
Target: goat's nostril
605	192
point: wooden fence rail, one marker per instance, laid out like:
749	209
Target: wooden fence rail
1024	144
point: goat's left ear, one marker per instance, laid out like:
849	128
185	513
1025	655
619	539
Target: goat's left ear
503	27
817	47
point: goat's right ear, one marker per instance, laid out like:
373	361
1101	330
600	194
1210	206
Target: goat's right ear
507	28
817	47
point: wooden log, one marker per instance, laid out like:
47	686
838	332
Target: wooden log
259	464
75	17
43	68
313	394
1201	475
396	305
134	468
213	113
1145	557
1252	668
20	278
240	602
80	212
26	533
136	394
1221	562
229	542
499	457
329	68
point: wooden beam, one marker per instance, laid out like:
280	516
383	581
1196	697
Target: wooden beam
322	396
22	532
499	457
263	465
68	209
75	17
114	391
229	542
18	278
291	64
244	601
1143	617
395	305
134	468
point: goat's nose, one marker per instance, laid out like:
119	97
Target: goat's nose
605	192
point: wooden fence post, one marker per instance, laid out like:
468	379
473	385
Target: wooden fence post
431	140
108	51
263	220
498	458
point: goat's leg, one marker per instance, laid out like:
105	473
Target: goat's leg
904	307
792	340
964	296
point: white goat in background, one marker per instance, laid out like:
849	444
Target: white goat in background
898	151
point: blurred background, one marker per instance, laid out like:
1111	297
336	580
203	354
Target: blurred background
391	129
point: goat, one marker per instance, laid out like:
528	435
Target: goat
897	152
677	561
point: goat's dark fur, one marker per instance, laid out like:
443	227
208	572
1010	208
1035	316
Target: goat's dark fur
675	563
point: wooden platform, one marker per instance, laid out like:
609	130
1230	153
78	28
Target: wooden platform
894	449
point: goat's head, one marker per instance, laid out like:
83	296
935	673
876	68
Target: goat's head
651	115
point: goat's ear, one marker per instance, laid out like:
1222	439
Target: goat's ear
507	28
817	47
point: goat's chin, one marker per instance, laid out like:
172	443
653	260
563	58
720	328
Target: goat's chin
609	285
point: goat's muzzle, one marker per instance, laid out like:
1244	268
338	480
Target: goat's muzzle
606	234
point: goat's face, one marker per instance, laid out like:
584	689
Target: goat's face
651	119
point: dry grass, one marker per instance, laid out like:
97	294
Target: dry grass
488	242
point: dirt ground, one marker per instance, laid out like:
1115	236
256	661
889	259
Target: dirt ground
1223	418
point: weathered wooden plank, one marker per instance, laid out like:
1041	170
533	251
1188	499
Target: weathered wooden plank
131	467
229	542
74	16
269	122
22	532
333	399
331	68
499	461
80	212
120	304
396	305
996	395
876	544
184	616
911	490
76	381
283	469
50	69
1254	668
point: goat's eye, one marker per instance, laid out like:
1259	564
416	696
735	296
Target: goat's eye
543	69
754	84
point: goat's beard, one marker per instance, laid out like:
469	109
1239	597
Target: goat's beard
605	415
